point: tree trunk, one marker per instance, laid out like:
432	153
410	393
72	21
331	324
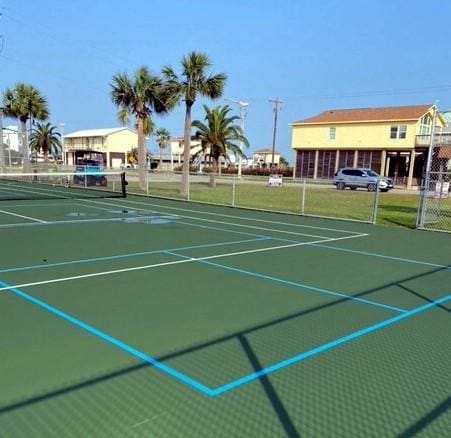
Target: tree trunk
25	148
46	156
213	174
161	158
186	151
141	156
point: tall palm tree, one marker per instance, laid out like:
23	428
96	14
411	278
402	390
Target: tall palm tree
162	137
45	138
219	136
25	102
139	96
192	82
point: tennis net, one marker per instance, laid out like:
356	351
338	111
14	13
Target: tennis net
61	185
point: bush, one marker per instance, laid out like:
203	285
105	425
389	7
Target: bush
286	172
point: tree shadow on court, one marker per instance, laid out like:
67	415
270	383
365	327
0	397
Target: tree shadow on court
271	393
425	421
417	294
240	336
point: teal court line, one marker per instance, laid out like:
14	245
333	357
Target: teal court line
123	256
371	254
289	283
214	392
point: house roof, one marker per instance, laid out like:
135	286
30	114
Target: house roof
265	151
396	113
96	132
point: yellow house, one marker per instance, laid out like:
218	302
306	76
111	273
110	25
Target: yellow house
111	144
392	141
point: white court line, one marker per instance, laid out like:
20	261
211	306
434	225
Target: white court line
247	219
234	224
174	262
24	217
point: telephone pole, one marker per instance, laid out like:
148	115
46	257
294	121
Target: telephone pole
276	110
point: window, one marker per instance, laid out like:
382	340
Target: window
402	131
398	131
332	132
425	125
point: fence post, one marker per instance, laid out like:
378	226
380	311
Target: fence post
375	203
233	191
187	188
303	197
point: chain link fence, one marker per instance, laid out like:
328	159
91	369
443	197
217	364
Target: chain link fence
434	212
287	195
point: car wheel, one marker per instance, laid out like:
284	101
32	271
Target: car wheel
371	187
353	188
103	181
341	186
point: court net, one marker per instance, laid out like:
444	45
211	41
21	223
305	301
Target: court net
59	185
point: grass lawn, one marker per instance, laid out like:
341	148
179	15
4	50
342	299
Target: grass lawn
397	208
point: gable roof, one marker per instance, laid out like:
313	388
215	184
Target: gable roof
96	132
360	115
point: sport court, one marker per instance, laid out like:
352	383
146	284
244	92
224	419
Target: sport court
150	317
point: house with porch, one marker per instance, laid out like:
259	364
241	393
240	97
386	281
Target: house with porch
393	141
112	144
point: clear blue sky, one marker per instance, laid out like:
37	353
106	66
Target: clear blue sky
312	55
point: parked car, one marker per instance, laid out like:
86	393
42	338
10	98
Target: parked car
89	173
359	177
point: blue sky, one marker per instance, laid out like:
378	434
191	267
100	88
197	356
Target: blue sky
312	55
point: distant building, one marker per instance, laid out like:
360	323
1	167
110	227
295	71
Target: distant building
392	141
11	137
112	143
263	158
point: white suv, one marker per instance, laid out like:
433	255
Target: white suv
354	177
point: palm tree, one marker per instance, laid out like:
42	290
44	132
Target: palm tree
139	96
192	82
25	102
45	138
162	137
219	136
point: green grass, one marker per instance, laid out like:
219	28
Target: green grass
395	208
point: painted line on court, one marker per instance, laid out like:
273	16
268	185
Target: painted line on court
24	217
223	222
245	218
318	244
294	284
214	392
372	254
123	256
107	338
327	346
174	262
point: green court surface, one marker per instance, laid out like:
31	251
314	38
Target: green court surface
155	318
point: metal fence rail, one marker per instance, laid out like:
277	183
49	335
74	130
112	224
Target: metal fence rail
295	196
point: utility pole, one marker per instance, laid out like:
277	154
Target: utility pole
243	112
276	110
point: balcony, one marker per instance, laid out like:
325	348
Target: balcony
441	139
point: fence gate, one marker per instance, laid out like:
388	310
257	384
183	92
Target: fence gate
434	211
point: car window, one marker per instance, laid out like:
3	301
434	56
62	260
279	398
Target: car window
347	172
371	173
